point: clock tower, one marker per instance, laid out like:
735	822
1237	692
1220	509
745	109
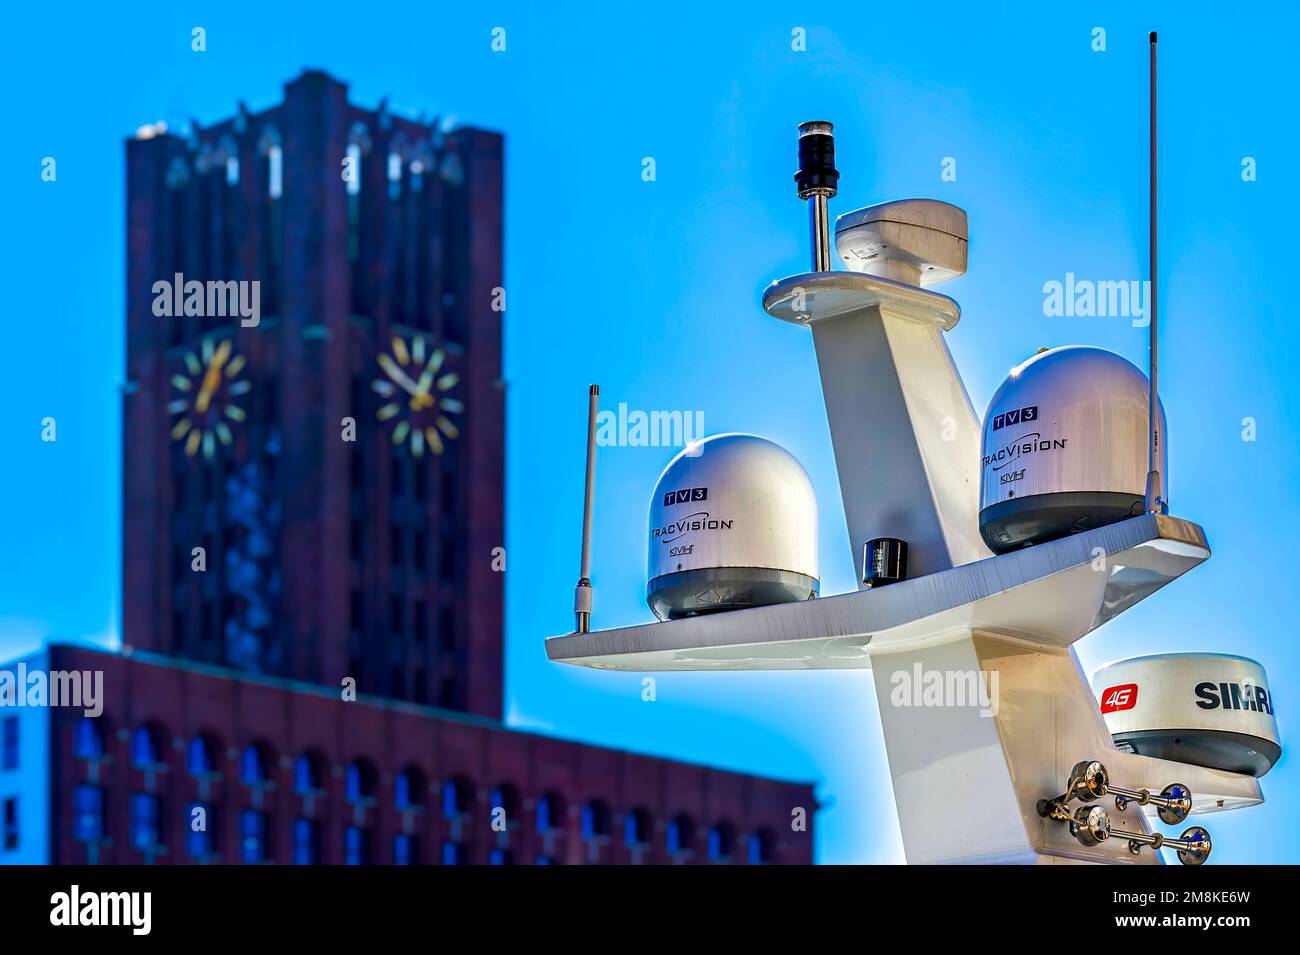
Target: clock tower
314	413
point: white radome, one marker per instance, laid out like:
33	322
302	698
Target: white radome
1207	709
733	524
1065	447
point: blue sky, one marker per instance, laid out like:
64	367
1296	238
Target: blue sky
652	289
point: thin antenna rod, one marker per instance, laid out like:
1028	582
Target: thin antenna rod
1155	492
582	593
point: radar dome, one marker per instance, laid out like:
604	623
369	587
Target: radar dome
1206	709
1064	448
733	524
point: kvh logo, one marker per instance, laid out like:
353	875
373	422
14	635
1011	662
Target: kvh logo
686	495
1122	697
1008	418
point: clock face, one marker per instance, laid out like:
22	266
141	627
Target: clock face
205	398
415	387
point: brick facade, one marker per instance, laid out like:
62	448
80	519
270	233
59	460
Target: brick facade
491	763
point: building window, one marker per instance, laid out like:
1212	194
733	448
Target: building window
548	813
205	622
11	823
450	489
420	628
359	215
354	168
446	628
88	739
453	853
146	810
419	553
595	820
178	173
271	403
356	540
253	765
759	849
359	781
252	836
356	463
199	842
356	846
449	693
10	746
202	758
409	788
455	798
636	828
146	748
499	856
397	542
406	849
274	171
178	629
421	477
306	842
88	813
680	836
721	839
394	176
356	611
447	558
307	774
505	799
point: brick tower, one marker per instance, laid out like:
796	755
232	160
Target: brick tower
336	448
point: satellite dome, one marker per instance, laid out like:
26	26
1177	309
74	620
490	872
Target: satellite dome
1206	709
1064	448
733	524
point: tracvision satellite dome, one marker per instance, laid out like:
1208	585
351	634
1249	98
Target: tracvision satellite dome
1065	447
733	524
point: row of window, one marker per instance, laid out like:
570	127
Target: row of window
408	547
415	627
227	151
254	825
410	789
402	160
410	224
203	225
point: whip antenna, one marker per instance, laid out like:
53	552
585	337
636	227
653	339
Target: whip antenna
1155	493
582	593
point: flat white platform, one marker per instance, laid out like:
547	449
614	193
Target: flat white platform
1049	595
